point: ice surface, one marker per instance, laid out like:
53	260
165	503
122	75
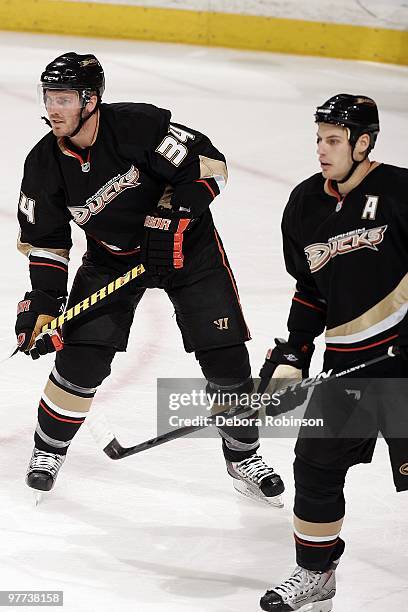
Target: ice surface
164	531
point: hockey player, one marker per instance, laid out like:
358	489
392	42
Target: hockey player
345	240
140	187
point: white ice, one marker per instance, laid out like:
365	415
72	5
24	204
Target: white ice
164	531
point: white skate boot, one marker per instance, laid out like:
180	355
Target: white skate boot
304	591
254	479
43	469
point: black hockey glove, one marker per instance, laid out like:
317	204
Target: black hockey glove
282	363
33	312
162	249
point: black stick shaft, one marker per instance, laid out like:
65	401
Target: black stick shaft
95	298
115	451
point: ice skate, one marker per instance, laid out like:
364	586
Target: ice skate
43	470
256	480
304	591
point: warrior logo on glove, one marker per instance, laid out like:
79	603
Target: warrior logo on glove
33	312
21	339
23	306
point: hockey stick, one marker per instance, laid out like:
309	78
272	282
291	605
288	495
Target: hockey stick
104	438
89	301
112	447
104	432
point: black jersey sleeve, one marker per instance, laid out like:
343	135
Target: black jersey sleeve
191	169
190	164
307	315
45	233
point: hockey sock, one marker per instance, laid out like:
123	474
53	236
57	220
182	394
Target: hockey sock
228	373
319	512
236	448
317	544
240	440
61	412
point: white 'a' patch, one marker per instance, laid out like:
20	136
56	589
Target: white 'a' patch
370	208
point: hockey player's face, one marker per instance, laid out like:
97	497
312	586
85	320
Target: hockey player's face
334	151
63	110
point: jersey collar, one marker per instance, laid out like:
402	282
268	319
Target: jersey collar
339	191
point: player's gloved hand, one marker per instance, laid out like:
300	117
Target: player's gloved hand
162	249
282	363
33	312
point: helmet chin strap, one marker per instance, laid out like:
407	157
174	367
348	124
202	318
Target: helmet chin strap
83	120
350	173
354	165
353	141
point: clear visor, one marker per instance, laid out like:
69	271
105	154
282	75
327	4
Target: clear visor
58	101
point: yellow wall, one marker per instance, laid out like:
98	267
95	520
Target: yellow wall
204	28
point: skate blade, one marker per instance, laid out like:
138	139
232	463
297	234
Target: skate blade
37	496
255	494
319	606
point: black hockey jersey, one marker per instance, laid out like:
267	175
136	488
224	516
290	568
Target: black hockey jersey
349	257
139	160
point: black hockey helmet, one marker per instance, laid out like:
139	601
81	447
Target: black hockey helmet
357	113
82	73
